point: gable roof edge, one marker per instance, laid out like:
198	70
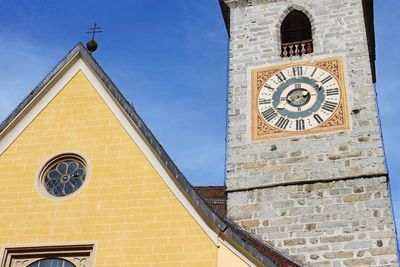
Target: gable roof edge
265	253
224	225
8	121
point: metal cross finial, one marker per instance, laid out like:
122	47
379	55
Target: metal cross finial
92	44
93	30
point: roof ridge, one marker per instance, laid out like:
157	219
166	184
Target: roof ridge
266	253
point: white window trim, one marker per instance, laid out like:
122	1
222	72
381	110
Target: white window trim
82	255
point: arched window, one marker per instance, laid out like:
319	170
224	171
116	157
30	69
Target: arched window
55	256
296	35
52	263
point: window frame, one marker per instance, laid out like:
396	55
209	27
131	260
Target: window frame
63	155
81	255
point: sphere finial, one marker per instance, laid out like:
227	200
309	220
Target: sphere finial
92	44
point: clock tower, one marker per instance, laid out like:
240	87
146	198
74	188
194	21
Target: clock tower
305	166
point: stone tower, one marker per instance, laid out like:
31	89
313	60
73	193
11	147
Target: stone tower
305	162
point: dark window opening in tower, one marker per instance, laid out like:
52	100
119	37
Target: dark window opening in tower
296	35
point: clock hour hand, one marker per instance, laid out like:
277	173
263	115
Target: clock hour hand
281	105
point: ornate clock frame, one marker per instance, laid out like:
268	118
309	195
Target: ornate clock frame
338	120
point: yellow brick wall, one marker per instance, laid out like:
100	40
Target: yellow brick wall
125	206
226	258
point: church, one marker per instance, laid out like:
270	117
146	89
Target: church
85	182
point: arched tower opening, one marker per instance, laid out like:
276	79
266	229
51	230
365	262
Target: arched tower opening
296	35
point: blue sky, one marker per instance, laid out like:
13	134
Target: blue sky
169	58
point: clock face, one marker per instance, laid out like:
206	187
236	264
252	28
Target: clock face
298	98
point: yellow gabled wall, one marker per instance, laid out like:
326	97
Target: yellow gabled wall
227	258
125	207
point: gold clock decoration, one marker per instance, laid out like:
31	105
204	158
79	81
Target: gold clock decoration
299	98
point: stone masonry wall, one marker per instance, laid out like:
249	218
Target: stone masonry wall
341	223
338	29
337	223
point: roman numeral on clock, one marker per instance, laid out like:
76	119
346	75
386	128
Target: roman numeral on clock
318	118
282	123
281	77
269	87
269	114
300	125
312	74
297	71
263	101
329	106
327	79
333	91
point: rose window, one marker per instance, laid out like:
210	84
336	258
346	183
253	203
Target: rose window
64	175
